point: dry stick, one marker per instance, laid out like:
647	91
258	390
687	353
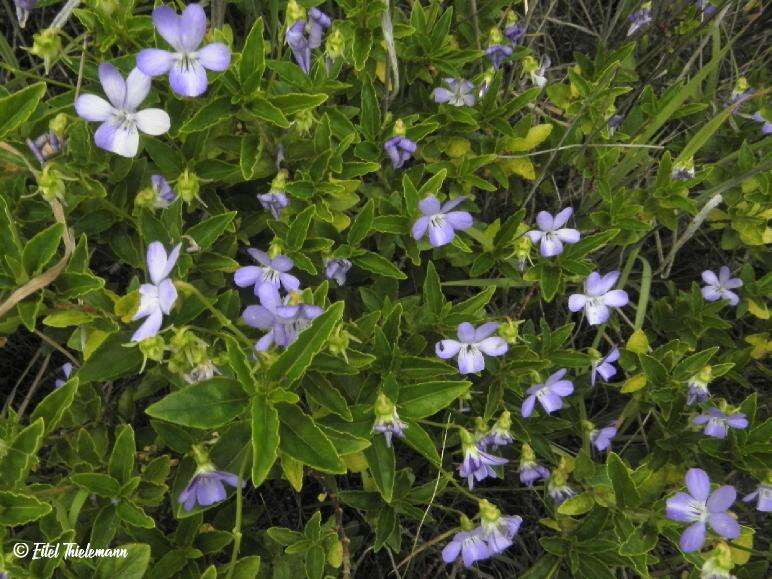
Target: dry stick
34	387
388	36
57	346
12	395
344	540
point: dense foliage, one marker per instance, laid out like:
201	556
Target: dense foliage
366	289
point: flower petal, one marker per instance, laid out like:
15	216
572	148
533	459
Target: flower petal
550	245
258	317
679	508
419	228
721	499
117	139
551	402
528	404
616	298
485	330
430	205
693	538
535	235
562	388
113	84
446	349
544	220
562	218
440	233
470	360
466	332
247	276
709	277
289	282
459	219
150	327
453	203
192	27
167	295
725	525
188	79
441	95
156	261
698	483
568	235
93	108
451	550
137	89
597	312
153	121
215	56
154	61
711	293
576	302
167	23
493	346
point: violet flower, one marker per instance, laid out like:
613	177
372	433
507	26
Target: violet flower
66	372
283	320
499	434
158	297
719	287
164	195
718	423
270	272
400	150
614	122
598	297
499	533
763	497
298	42
705	7
550	394
766	125
538	74
337	268
23	9
440	221
516	33
318	23
601	439
121	122
497	54
187	65
551	232
45	146
387	421
559	492
700	507
468	544
459	93
273	202
531	471
605	366
698	387
207	487
639	19
477	463
472	343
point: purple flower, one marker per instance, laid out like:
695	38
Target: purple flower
121	122
717	423
598	297
274	202
459	93
515	33
207	487
551	232
538	73
387	421
23	9
337	268
318	23
720	287
158	297
766	126
164	195
499	434
400	150
697	388
497	54
559	493
472	343
477	464
298	43
283	320
601	439
763	496
271	272
701	507
470	545
639	19
605	366
187	65
440	221
614	122
499	533
705	7
66	372
531	471
550	394
45	146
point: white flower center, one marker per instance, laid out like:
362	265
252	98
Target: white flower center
437	220
698	510
271	275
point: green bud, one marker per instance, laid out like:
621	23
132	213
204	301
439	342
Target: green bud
335	44
335	554
512	18
304	120
188	186
528	454
47	45
295	12
339	341
51	183
510	330
465	523
202	458
399	128
145	198
58	124
383	406
466	437
153	348
489	512
495	36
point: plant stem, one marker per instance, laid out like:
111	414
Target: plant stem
237	524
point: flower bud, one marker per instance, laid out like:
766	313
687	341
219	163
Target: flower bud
509	330
145	198
153	348
51	183
489	512
465	523
47	45
304	120
335	554
495	36
58	124
188	186
295	12
339	342
335	44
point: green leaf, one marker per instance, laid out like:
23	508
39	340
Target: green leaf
68	318
422	400
370	113
132	514
21	454
207	116
314	562
100	484
252	63
549	281
16	509
656	373
297	102
265	438
578	505
432	290
133	566
55	404
112	360
304	441
589	244
624	487
121	463
298	230
168	159
246	568
378	264
40	249
535	137
17	107
298	356
326	395
265	111
208	404
362	224
419	440
381	461
240	364
206	232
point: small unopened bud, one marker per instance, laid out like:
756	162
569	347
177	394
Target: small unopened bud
335	554
465	523
59	124
47	45
335	44
509	330
304	120
153	348
51	184
295	12
188	186
145	198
